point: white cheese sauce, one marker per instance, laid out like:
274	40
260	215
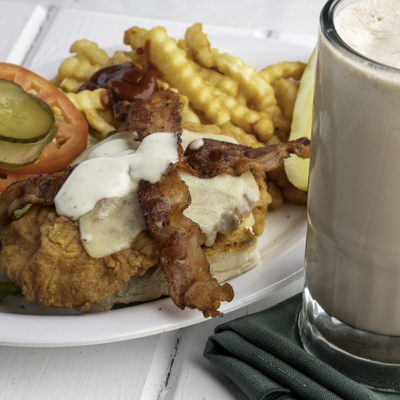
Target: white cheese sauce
114	169
196	144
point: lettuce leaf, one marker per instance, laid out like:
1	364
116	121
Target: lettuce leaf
91	141
19	213
7	288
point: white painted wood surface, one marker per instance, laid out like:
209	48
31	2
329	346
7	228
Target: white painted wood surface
167	366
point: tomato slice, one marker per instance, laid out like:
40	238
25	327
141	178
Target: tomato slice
72	133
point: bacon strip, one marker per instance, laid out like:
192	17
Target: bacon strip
158	113
215	157
38	190
183	261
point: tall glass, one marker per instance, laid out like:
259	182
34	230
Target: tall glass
351	303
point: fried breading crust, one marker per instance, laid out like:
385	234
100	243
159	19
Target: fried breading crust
260	212
42	253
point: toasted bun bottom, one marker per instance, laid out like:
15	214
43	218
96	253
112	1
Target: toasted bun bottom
230	256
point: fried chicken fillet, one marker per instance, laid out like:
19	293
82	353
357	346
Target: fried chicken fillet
43	253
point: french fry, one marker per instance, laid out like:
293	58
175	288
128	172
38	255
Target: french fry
91	51
79	69
252	87
276	196
281	128
241	97
120	57
284	70
70	85
256	88
228	85
246	139
89	102
182	44
196	40
290	192
212	95
195	127
75	71
286	92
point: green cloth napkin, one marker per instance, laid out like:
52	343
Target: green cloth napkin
262	353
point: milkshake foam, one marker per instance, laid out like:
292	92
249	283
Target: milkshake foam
372	28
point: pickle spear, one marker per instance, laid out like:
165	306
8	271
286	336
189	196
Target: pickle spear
27	125
297	168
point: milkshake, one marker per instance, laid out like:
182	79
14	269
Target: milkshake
353	236
353	259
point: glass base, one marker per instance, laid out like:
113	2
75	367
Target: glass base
363	356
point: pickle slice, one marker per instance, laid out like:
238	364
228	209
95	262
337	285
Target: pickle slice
297	168
27	125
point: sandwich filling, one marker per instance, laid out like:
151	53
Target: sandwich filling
101	193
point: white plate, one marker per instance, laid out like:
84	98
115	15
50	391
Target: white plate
281	247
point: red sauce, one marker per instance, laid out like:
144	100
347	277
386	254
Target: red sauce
126	82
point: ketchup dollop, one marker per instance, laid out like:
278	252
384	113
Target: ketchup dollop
126	82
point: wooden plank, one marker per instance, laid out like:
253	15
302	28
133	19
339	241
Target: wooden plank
64	26
192	373
298	17
167	366
110	371
161	366
14	19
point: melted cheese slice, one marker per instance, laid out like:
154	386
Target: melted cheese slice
219	204
188	137
111	225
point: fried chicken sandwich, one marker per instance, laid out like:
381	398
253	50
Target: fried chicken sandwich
152	210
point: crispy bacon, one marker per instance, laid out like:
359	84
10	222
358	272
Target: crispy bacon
215	157
38	190
183	261
158	113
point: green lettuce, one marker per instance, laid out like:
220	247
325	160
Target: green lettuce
19	213
91	141
7	288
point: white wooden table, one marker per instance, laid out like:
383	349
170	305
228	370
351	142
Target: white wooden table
170	365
